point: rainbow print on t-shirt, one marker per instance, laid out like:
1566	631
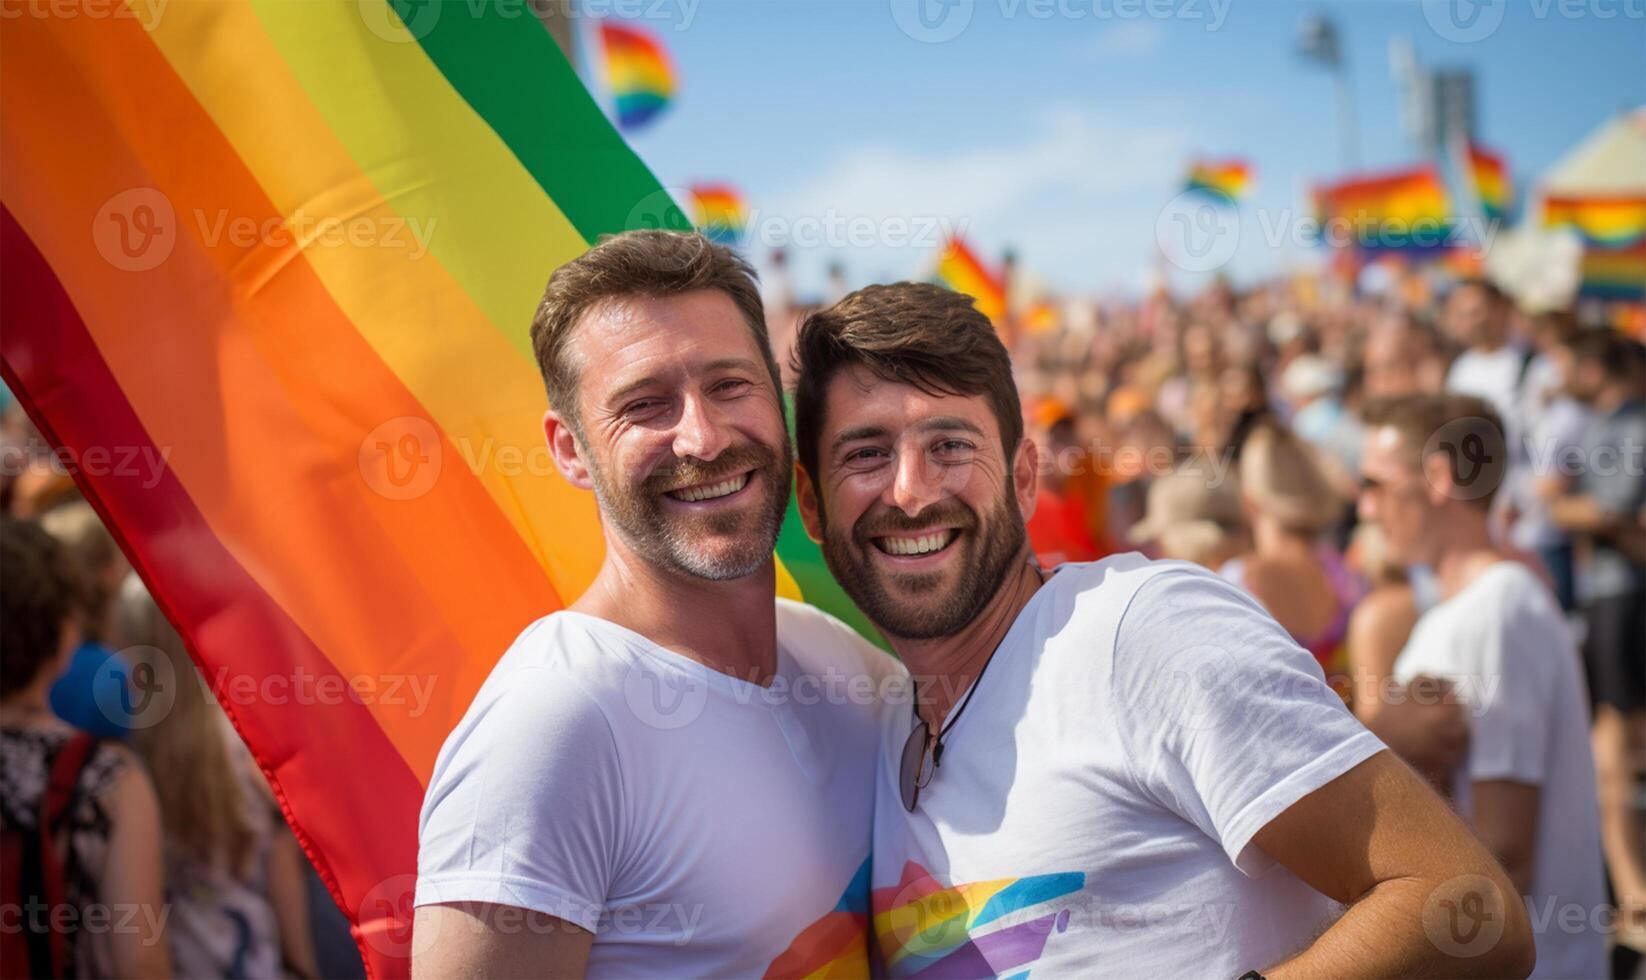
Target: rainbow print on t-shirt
835	945
982	929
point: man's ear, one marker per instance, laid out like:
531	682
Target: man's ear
1025	476
805	495
568	456
1437	473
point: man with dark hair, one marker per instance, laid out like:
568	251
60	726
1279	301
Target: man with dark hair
1605	504
1104	765
1431	466
646	784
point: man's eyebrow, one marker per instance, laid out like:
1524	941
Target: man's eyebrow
719	364
936	424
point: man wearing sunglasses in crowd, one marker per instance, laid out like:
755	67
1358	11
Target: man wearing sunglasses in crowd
1123	766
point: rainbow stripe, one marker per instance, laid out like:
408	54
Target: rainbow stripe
1491	183
1227	181
719	212
960	269
294	248
1614	274
638	72
924	927
1406	211
1603	222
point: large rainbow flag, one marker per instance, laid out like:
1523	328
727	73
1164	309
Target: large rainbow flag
293	250
1610	222
1404	211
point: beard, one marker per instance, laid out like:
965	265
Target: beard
917	605
725	544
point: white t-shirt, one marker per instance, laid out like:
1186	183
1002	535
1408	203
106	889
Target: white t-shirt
1092	815
1503	644
698	824
1494	376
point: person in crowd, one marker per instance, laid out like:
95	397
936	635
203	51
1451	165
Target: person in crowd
1243	406
1058	530
1401	356
1605	506
1431	466
1554	424
1313	389
592	812
1122	733
92	693
79	811
1292	568
1193	515
234	872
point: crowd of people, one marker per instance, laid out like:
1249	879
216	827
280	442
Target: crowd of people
1490	629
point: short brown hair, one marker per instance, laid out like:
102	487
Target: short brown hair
37	595
914	333
1467	429
649	263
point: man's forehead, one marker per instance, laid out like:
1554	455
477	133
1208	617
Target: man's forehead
1385	446
857	395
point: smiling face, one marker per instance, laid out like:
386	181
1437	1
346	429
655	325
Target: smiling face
919	507
682	433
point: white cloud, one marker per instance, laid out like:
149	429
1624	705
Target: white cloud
1132	38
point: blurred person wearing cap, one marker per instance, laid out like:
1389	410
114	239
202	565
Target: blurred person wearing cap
1115	735
1605	506
1292	569
1431	465
1313	389
1193	515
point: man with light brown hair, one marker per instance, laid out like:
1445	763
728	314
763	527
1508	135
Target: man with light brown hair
1120	767
1431	467
656	781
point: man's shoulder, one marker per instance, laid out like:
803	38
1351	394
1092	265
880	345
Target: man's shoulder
820	642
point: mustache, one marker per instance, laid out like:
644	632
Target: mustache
947	513
691	471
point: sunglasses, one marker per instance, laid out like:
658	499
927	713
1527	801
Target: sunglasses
922	754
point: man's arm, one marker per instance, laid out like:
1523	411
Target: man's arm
1422	722
479	939
1425	898
1505	816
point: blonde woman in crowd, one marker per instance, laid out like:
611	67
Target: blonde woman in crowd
234	873
1291	568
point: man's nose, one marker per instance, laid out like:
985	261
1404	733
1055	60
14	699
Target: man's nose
700	432
916	484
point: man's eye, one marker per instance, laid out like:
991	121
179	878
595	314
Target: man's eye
641	407
954	447
730	385
866	453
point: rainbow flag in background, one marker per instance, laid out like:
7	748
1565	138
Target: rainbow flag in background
1603	222
1405	211
293	249
1491	182
1614	274
638	72
719	212
1227	181
960	269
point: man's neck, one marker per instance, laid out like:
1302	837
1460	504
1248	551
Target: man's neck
1466	550
945	667
729	626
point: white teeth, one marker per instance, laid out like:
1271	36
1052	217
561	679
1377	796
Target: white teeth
925	544
711	491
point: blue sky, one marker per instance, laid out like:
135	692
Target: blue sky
1062	127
